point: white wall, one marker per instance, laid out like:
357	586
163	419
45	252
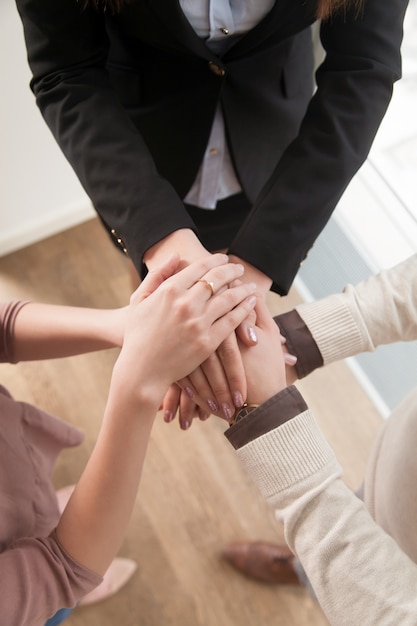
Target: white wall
39	193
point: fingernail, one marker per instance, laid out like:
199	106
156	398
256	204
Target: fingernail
252	286
203	415
290	359
227	412
168	416
185	425
212	404
190	392
237	399
252	334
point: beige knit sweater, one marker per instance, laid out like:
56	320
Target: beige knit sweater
359	573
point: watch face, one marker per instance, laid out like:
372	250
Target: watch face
243	412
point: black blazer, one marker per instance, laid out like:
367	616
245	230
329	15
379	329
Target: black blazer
130	99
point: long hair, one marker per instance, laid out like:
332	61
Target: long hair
325	8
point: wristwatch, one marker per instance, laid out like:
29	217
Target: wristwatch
243	412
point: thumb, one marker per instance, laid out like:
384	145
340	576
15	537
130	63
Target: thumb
246	332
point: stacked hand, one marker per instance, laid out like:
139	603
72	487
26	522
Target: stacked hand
219	384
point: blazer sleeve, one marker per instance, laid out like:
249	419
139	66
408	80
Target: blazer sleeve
354	88
67	50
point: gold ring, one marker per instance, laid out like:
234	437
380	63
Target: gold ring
209	284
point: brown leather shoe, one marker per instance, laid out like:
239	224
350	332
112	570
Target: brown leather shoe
262	561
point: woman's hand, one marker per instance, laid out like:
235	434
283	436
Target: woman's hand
171	331
265	363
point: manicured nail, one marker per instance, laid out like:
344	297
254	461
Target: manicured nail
237	399
212	404
185	425
227	412
190	392
168	416
203	415
252	334
290	359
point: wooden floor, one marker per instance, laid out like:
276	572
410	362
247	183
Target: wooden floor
194	496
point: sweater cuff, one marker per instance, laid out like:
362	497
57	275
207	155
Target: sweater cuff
289	455
282	407
299	342
334	328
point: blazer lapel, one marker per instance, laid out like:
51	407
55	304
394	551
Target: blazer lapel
171	14
282	21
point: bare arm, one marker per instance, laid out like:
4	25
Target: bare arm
168	332
45	331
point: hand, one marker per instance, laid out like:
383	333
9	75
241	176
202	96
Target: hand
246	330
176	400
264	363
182	242
171	330
221	379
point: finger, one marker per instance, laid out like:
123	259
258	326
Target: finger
228	322
187	277
231	360
218	279
187	411
228	299
216	376
171	402
156	277
246	331
198	388
290	359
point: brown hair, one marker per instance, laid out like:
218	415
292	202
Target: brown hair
325	8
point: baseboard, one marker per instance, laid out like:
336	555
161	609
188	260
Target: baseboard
32	231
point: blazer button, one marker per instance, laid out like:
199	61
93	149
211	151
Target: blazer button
119	241
217	69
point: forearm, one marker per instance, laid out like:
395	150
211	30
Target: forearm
183	242
253	275
377	311
90	530
324	522
43	331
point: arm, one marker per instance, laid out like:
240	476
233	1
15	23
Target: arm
34	331
354	88
343	551
377	311
68	53
282	448
167	331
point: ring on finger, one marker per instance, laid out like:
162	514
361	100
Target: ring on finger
209	284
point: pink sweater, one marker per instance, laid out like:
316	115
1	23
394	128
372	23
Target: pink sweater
37	576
